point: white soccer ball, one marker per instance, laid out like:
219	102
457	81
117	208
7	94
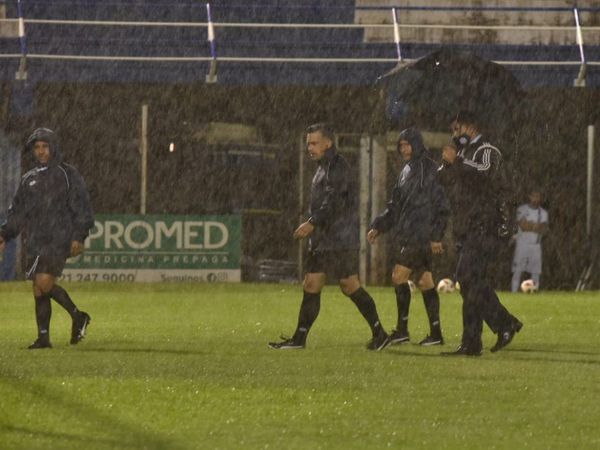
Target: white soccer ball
445	286
529	286
412	286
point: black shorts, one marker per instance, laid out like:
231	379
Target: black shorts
418	258
52	264
338	264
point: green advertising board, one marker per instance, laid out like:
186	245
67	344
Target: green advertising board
160	248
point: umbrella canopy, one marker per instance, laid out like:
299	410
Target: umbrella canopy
430	91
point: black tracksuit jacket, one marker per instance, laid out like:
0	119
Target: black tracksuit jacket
477	187
51	207
417	213
333	206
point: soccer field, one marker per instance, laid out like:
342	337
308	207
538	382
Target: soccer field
170	366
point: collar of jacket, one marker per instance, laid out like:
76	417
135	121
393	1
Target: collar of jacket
414	162
476	139
328	156
472	145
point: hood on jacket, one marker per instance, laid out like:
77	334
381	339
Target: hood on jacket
46	135
413	137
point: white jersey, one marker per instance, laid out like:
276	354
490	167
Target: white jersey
535	215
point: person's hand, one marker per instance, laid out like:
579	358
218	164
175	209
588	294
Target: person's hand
76	248
524	225
527	226
449	154
437	248
372	236
2	244
303	230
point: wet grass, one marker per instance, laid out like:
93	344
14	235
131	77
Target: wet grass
187	366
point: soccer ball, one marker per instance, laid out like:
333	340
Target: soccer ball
529	286
445	286
412	286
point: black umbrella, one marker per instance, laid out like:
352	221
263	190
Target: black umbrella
429	92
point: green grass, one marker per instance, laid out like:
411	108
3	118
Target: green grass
186	366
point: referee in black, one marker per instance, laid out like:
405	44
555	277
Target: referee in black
415	217
472	170
52	209
333	232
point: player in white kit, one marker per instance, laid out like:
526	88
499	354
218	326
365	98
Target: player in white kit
533	223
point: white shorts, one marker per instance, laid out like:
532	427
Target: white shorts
528	258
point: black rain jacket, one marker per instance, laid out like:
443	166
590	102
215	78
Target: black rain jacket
333	206
477	187
51	207
418	211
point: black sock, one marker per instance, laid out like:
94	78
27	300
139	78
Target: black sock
432	305
365	304
309	310
403	302
63	299
43	312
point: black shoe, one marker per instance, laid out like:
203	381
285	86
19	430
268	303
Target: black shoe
379	342
504	337
79	327
287	344
463	350
432	340
399	337
40	343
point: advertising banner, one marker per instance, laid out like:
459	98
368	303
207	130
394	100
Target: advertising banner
165	248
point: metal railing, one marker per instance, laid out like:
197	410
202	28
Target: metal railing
577	29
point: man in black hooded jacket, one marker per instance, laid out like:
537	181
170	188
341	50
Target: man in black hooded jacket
333	232
52	209
417	215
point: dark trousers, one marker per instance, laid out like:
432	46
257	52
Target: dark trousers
480	303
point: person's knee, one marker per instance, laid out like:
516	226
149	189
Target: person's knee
43	284
37	292
312	284
349	285
426	282
346	289
44	288
397	281
400	277
425	286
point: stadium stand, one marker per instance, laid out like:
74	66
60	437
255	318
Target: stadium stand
353	42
